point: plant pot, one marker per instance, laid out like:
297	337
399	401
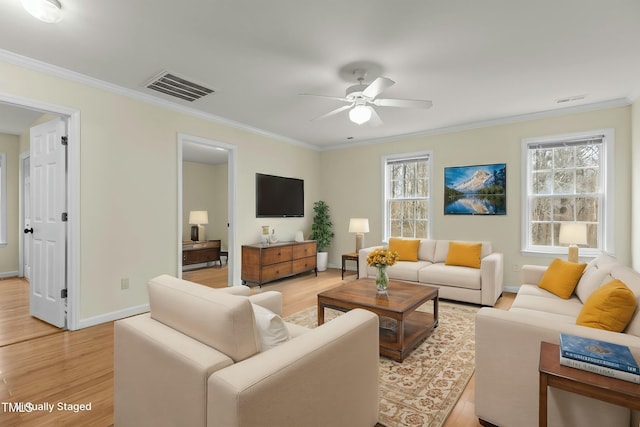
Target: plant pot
322	260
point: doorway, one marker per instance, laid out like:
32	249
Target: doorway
195	153
72	234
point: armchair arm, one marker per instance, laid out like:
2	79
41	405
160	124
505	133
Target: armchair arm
492	276
507	359
236	290
531	274
326	377
362	260
270	300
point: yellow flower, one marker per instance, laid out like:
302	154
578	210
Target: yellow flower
382	256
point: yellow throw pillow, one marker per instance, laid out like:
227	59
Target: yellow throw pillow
610	307
464	254
561	277
406	248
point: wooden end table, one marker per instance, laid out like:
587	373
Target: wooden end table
350	257
596	386
408	327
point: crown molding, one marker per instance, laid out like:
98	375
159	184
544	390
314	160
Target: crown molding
613	103
54	70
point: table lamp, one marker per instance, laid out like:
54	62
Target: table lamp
359	226
197	219
573	234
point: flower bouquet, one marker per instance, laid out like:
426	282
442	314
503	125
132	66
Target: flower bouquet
381	258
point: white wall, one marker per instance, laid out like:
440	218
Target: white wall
352	182
9	144
635	185
128	171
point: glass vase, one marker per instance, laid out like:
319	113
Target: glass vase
382	279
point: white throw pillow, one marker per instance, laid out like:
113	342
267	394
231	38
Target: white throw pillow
271	328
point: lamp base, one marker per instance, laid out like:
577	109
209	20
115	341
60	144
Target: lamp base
573	253
194	233
359	241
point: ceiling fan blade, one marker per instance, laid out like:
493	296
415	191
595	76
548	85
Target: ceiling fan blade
377	86
333	112
402	103
337	98
375	119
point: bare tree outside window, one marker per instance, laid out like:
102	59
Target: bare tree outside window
565	183
407	197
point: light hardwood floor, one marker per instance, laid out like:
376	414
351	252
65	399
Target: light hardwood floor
40	363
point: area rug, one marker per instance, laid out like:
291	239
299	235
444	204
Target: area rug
422	390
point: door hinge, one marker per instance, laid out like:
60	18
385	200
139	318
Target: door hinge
63	293
64	140
64	217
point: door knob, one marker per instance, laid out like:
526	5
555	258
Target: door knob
28	230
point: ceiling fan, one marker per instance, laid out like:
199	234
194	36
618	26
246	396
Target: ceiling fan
361	99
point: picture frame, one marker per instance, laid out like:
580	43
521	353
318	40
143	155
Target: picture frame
475	190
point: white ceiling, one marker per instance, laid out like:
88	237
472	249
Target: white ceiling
477	61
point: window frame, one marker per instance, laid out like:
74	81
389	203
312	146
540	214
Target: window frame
385	189
606	208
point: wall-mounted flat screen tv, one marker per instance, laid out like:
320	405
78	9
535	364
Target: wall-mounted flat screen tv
279	197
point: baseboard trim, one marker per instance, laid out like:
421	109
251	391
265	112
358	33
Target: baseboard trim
7	274
512	288
111	316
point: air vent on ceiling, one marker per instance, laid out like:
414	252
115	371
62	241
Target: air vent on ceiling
172	85
571	99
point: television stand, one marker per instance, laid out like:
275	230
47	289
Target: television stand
263	262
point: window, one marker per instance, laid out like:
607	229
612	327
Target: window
407	192
3	198
566	179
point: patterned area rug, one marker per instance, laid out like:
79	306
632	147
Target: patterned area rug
422	390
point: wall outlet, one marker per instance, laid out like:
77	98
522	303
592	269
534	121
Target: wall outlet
124	283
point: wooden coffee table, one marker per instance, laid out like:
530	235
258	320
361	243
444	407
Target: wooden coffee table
402	328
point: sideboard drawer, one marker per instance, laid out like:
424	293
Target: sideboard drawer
276	254
275	271
304	250
304	264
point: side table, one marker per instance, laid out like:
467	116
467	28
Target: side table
350	257
553	374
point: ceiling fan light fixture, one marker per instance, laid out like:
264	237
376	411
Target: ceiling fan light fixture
360	114
49	11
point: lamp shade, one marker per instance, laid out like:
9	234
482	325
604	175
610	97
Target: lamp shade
198	217
573	233
359	225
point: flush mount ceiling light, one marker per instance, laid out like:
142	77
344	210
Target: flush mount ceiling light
49	11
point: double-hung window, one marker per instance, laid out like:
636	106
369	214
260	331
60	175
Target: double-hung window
567	179
407	194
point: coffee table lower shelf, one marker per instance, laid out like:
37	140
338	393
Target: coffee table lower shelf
414	333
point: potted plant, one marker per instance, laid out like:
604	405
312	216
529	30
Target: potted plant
321	232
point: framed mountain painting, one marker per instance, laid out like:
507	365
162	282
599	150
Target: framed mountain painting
475	190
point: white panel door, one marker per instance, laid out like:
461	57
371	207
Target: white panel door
26	210
48	203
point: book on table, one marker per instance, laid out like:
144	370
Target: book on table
604	358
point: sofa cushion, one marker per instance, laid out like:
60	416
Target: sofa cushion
442	249
440	274
407	249
531	297
272	330
464	254
561	277
609	307
427	250
224	322
404	270
594	275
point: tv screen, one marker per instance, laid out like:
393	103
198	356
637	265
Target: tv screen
279	197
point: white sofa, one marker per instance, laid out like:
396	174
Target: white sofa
478	286
508	351
197	360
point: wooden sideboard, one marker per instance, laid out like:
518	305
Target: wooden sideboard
262	262
201	252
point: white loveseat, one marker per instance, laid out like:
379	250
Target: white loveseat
508	351
197	360
475	285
